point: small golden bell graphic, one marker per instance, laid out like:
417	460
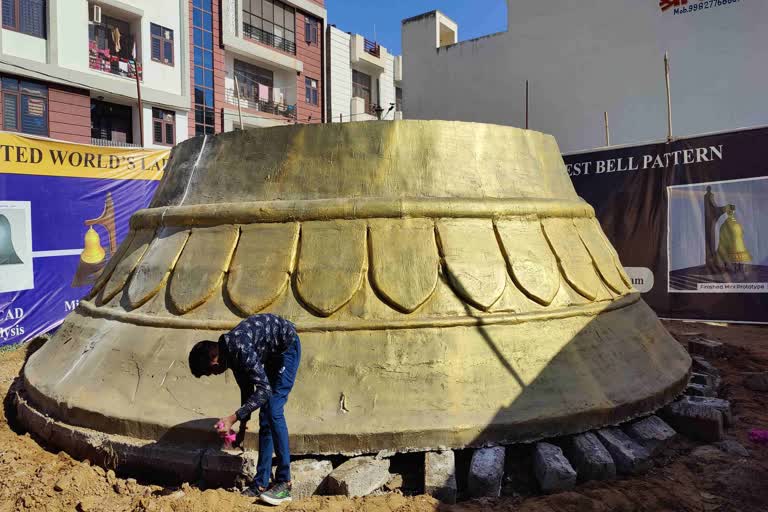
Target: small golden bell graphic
92	260
8	254
731	248
93	252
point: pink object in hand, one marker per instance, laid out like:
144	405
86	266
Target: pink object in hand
228	438
758	436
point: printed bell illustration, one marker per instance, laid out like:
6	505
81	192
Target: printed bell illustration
449	287
731	250
93	257
8	254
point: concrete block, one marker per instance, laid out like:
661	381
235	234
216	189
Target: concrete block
757	382
485	472
705	347
629	456
590	458
395	483
733	447
358	477
552	469
440	476
699	390
701	365
309	477
701	378
695	420
724	406
221	468
652	433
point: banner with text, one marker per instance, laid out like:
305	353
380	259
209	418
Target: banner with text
64	209
689	219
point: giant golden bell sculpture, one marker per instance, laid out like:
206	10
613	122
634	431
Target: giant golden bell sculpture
449	286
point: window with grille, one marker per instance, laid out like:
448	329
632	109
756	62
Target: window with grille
270	22
24	106
25	16
361	87
162	44
163	127
310	85
312	31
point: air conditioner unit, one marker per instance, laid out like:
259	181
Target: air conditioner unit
97	14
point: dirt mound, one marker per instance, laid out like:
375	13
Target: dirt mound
687	477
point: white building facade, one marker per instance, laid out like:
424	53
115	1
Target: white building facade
364	79
76	62
594	56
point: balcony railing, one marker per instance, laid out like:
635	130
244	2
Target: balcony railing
262	105
101	60
113	143
269	39
372	48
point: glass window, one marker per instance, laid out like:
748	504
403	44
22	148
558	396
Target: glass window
24	106
312	31
205	119
25	16
268	10
311	93
270	22
361	87
208	21
163	127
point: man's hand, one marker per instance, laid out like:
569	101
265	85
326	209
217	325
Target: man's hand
224	425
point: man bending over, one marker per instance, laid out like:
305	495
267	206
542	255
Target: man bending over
263	352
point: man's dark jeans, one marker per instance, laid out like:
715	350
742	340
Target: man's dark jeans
273	431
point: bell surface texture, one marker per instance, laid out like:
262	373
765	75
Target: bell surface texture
449	287
731	246
8	254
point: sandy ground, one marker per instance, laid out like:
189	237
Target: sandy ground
687	477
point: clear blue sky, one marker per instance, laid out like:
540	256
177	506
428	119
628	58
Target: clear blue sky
475	17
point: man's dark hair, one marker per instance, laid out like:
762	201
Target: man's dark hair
200	358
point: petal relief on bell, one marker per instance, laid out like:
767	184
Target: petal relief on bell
155	266
262	265
615	255
331	263
404	261
473	259
602	257
114	259
529	258
126	265
575	261
200	269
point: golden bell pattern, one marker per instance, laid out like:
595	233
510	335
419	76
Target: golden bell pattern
731	248
93	252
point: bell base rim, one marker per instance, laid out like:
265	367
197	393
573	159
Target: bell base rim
122	452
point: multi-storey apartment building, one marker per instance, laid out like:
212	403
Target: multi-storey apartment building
69	68
364	79
256	63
